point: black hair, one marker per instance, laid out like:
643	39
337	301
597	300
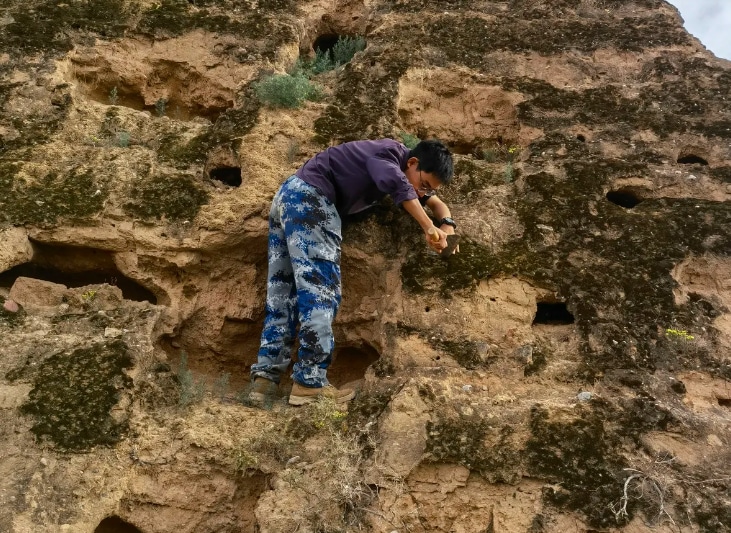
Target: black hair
434	158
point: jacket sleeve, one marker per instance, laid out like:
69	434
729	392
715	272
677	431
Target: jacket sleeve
385	171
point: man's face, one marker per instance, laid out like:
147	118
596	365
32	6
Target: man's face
424	183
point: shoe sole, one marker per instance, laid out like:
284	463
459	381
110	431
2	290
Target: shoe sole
304	400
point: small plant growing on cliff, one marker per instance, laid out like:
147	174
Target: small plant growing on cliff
161	106
89	295
220	387
346	48
499	152
113	96
322	62
191	390
679	334
293	150
409	140
123	139
508	173
285	90
343	51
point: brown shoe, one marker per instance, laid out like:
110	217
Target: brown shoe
263	390
303	395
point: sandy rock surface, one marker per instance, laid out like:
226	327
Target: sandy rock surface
568	370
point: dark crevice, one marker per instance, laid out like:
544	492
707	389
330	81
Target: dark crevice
326	43
624	197
231	176
724	402
114	524
350	363
553	313
463	148
692	159
76	267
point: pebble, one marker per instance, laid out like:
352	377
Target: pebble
112	332
11	307
44	461
467	388
584	396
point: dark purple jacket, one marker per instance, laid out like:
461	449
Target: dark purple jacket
356	175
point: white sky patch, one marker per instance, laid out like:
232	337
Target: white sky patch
709	21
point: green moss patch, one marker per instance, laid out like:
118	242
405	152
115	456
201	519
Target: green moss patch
423	271
33	129
364	104
669	106
230	126
471	176
722	174
171	197
171	18
474	443
47	25
465	39
75	195
74	393
574	450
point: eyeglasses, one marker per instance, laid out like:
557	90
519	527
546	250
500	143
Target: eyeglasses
424	187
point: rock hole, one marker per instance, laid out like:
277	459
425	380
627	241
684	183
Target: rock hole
692	159
231	176
724	402
463	148
350	363
624	197
339	49
326	43
114	524
581	138
76	267
427	309
553	314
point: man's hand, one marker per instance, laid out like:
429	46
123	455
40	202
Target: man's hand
436	239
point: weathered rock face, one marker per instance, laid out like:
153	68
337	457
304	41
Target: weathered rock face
568	370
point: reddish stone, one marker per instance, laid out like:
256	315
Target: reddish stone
11	306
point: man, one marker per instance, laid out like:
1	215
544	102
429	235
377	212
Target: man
304	250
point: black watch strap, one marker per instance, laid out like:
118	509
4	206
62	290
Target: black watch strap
448	221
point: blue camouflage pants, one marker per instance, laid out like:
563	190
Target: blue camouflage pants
303	285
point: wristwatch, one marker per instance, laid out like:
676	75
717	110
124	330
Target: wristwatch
448	221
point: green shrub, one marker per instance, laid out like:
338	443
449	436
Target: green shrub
410	141
508	173
285	90
191	390
343	51
346	48
322	62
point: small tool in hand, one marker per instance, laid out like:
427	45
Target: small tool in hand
452	243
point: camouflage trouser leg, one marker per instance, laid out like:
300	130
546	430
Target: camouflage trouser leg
303	284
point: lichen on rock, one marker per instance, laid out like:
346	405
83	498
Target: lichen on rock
74	393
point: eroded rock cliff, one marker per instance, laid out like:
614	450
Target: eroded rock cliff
568	370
